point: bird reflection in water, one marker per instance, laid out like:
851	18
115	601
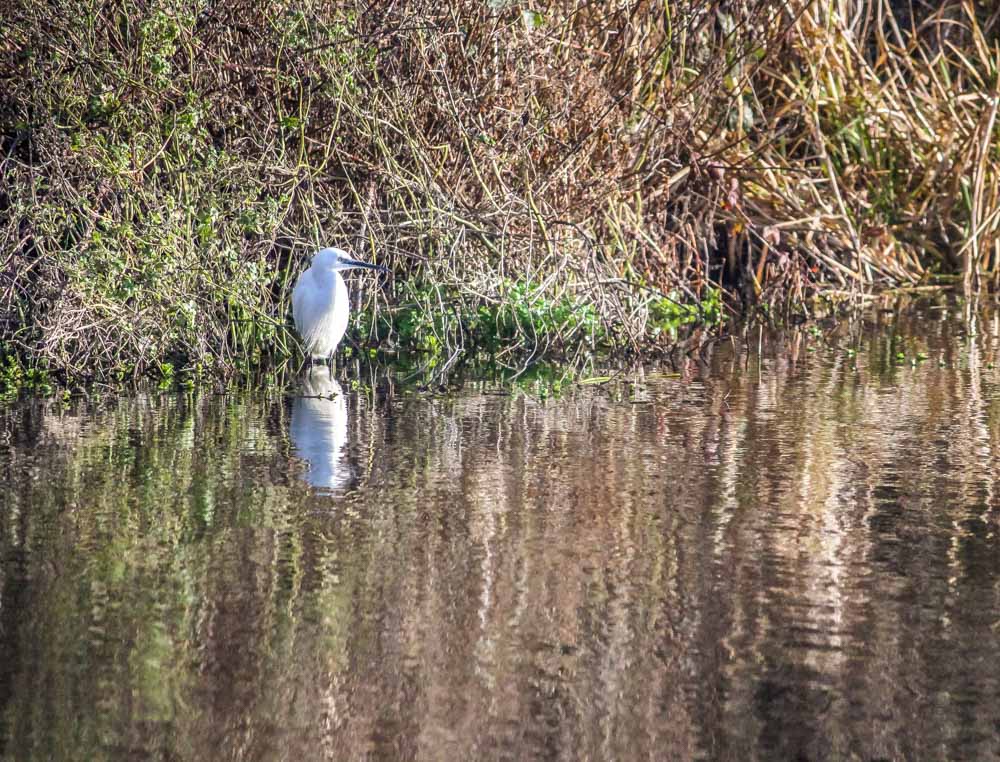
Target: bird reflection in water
319	429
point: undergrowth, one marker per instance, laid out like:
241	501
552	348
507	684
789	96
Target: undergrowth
542	179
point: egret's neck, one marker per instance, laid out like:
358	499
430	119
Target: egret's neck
332	280
339	287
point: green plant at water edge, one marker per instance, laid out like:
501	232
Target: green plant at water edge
520	317
667	314
15	377
526	311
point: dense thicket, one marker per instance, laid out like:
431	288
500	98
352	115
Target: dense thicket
539	176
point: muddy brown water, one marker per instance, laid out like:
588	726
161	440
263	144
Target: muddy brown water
788	550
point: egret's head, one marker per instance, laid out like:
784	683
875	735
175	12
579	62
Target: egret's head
338	259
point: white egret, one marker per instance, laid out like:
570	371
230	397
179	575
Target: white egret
320	305
319	430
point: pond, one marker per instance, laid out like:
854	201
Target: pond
783	547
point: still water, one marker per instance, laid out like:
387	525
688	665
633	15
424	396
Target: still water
786	548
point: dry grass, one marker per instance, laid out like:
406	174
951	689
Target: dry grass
896	127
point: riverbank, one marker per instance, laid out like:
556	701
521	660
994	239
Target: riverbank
540	184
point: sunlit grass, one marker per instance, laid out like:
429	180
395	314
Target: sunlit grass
541	181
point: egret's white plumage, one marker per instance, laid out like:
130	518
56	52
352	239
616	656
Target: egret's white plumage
320	305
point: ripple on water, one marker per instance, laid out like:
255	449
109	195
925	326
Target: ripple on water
777	557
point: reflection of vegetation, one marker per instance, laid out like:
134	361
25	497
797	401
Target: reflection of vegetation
139	539
171	589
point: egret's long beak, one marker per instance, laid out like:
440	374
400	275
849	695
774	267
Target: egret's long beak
364	265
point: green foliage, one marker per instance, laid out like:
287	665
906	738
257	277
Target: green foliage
526	311
433	320
667	314
15	378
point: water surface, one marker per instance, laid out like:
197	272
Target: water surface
785	548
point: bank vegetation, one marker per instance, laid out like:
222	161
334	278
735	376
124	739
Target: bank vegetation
542	178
